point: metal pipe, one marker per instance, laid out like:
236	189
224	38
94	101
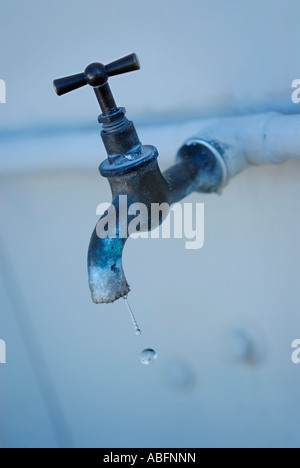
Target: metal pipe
252	139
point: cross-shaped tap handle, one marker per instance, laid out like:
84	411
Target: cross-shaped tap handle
96	74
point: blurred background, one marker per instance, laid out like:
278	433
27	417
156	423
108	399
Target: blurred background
222	319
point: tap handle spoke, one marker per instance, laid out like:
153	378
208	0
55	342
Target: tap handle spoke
123	65
69	83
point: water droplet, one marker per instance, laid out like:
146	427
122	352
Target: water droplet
135	324
148	356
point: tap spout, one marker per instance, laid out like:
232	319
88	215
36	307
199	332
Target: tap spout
143	186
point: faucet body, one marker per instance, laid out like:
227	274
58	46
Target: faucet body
132	171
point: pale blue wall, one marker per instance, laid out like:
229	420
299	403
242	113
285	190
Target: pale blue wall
72	367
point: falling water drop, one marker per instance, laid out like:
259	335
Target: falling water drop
148	356
135	324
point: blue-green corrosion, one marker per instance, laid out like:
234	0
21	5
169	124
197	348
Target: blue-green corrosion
104	252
